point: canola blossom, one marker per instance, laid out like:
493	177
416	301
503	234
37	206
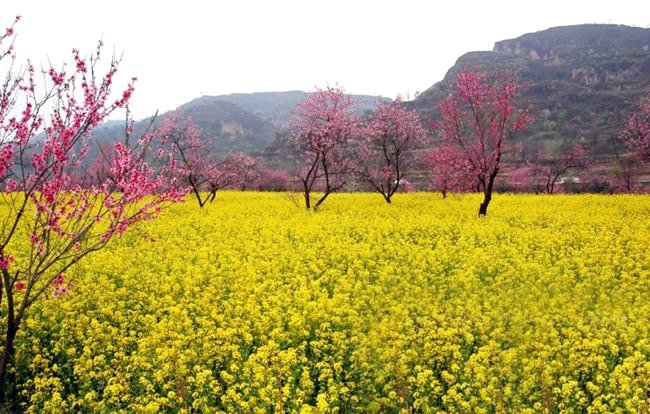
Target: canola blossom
254	305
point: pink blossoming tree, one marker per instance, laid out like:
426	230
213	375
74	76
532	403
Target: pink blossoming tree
196	167
624	175
385	154
247	170
197	163
236	169
522	179
274	180
447	170
546	173
478	118
636	133
49	221
322	130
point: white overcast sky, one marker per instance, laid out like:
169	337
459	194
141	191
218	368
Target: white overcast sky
184	49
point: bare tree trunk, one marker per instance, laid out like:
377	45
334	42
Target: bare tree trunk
321	200
195	190
307	198
10	337
482	211
7	357
198	197
551	187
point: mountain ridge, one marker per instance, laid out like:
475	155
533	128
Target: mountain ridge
582	82
248	122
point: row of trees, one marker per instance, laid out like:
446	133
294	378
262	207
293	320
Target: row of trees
331	144
471	143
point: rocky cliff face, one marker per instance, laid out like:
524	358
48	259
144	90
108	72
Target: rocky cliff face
582	82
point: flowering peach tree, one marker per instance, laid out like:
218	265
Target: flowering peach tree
384	155
195	166
636	133
546	174
49	220
478	118
447	170
196	163
323	128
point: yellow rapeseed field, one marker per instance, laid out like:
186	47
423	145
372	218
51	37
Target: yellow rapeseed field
253	305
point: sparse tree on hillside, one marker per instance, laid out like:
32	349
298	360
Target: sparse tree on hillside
385	154
49	222
322	129
636	133
478	118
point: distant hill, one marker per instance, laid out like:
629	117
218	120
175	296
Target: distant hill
233	127
582	81
276	107
249	122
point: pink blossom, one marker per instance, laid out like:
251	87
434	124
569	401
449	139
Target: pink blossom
11	185
5	261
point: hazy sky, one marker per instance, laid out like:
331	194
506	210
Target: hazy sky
184	49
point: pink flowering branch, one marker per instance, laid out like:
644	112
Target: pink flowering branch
52	216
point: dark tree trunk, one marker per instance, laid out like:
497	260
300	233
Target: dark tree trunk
482	210
13	322
307	200
321	200
7	356
198	198
196	192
